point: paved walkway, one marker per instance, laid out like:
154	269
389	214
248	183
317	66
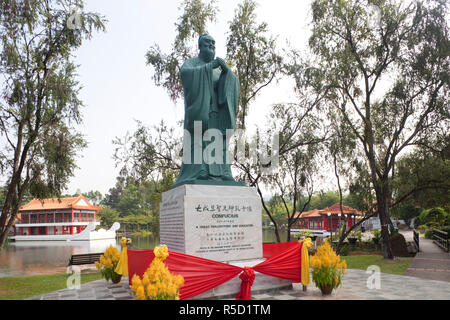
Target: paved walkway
431	262
354	287
427	278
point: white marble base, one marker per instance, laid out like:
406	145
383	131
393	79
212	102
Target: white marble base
230	289
221	223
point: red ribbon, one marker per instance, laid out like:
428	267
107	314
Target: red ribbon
247	276
283	260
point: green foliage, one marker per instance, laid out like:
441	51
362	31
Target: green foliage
94	197
191	24
429	233
422	227
148	154
376	234
445	228
253	54
108	216
433	217
345	249
406	211
303	234
135	204
356	235
351	54
423	179
323	200
39	105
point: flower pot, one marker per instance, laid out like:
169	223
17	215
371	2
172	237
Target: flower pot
326	290
116	278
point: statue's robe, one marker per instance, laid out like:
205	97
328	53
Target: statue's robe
211	97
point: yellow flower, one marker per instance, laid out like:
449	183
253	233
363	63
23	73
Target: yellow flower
327	266
145	280
140	293
157	281
161	252
135	282
151	291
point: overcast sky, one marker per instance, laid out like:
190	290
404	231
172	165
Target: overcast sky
117	84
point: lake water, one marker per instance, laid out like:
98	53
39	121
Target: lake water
43	257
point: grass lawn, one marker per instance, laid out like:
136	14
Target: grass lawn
19	288
397	266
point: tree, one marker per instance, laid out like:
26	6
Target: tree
406	212
136	203
191	24
422	179
39	102
108	216
289	169
94	197
149	153
252	53
389	80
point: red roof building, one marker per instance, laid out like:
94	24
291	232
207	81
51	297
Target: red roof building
327	219
55	216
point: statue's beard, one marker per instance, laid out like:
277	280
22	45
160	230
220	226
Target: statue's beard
207	54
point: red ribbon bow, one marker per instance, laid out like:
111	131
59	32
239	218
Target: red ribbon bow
247	276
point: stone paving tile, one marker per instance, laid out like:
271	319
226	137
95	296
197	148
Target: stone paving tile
354	287
261	296
284	297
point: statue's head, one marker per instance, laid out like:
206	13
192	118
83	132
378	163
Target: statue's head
207	46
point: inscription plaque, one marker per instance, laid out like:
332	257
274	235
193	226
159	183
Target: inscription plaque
221	223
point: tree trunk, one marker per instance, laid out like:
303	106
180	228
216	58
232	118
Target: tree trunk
269	214
382	194
8	212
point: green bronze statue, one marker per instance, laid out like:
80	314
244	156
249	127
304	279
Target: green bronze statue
211	93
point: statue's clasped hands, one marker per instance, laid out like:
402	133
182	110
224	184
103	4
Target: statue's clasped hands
219	62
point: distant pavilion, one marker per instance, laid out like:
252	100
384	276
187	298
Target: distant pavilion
55	216
327	219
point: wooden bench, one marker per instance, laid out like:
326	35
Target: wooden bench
87	258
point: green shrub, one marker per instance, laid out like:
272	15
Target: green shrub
444	228
376	234
433	216
345	249
417	222
429	234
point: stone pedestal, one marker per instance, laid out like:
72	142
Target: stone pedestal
221	223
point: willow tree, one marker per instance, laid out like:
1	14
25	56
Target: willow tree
39	104
384	66
253	53
191	24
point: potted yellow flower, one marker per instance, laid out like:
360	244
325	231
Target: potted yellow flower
157	282
108	263
327	268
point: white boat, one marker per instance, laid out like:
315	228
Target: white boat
88	234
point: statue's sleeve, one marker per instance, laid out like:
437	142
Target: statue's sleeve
228	91
198	90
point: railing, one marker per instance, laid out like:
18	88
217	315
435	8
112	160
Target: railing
441	239
416	239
